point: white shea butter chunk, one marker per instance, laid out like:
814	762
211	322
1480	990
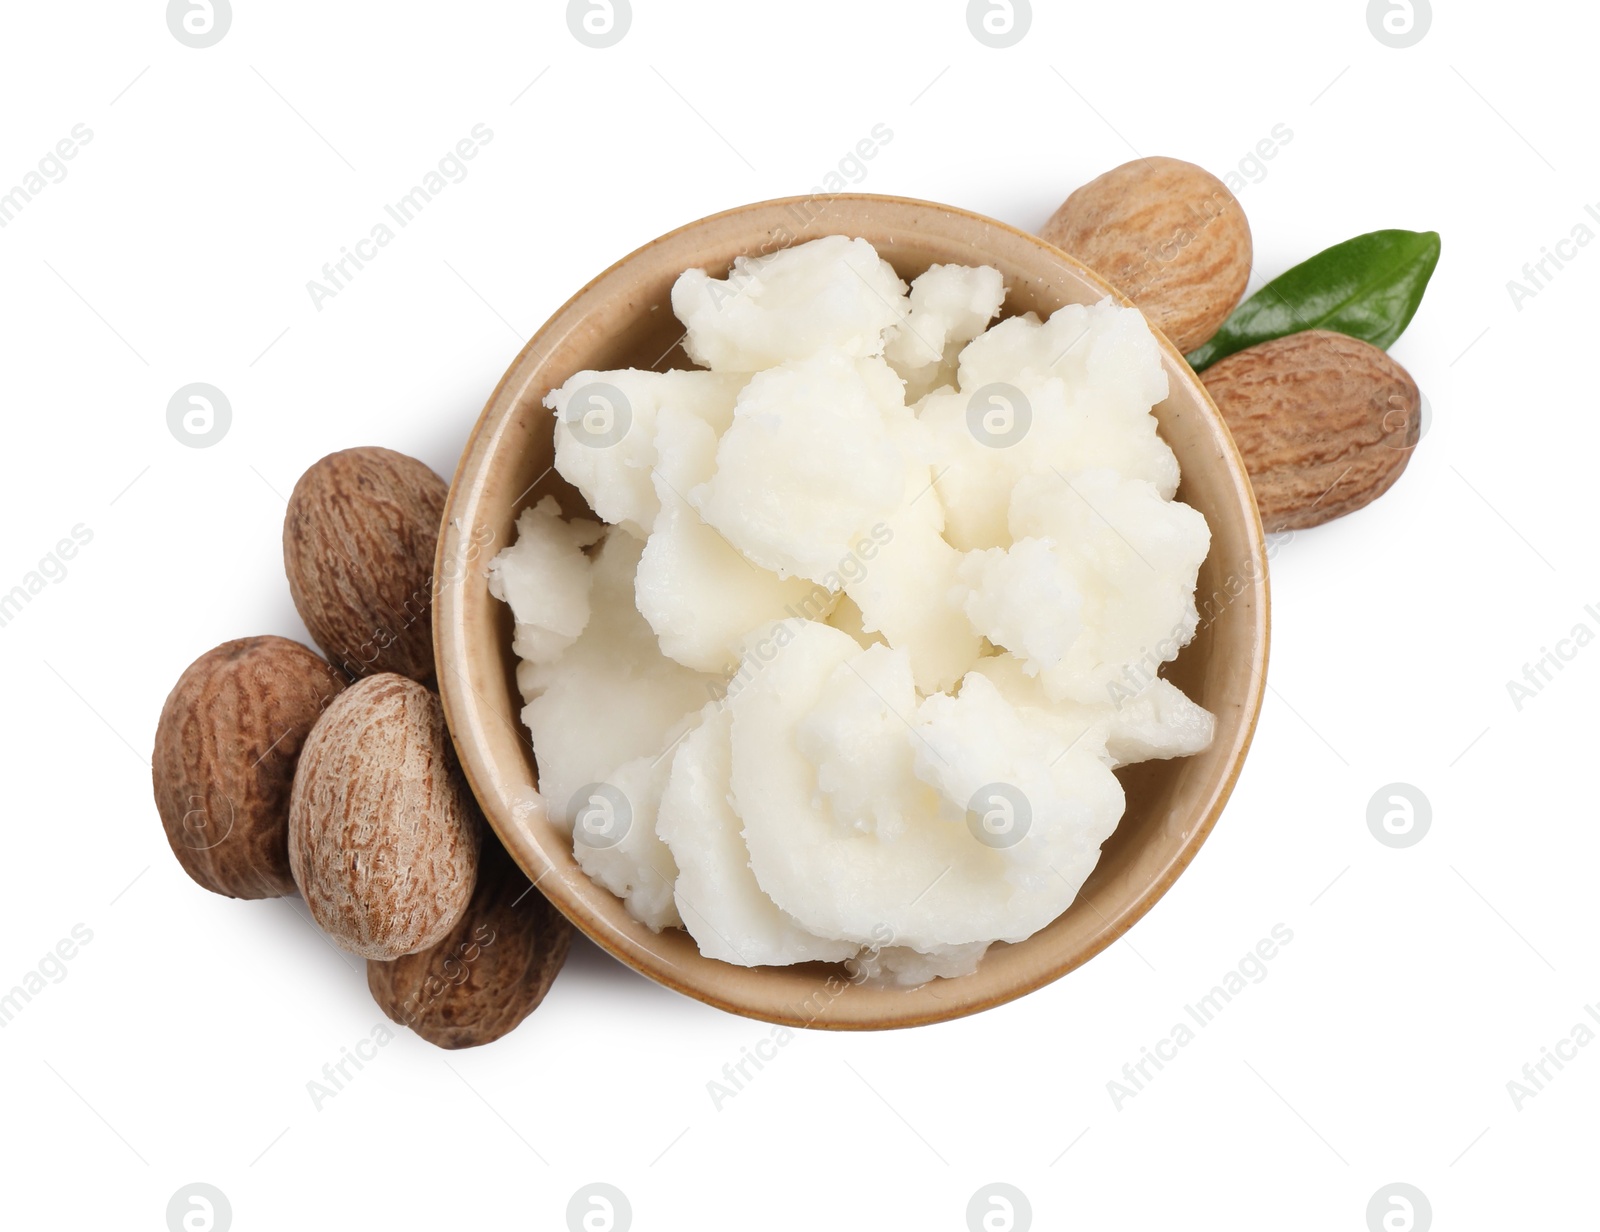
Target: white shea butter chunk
611	696
950	306
840	880
614	839
832	293
605	433
1134	557
904	582
529	680
898	966
699	594
810	463
1036	810
1072	393
1158	721
1067	723
717	895
1025	599
861	756
544	576
1105	353
846	616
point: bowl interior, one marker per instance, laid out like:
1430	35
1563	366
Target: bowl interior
624	319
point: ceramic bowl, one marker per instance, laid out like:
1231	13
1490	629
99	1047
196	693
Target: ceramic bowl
624	319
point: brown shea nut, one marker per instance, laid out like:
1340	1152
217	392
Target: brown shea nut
383	831
1325	423
489	972
224	760
358	543
1168	235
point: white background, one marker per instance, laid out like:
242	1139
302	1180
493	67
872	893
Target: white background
177	249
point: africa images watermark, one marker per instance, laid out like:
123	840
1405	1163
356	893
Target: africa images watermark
847	172
1252	168
1536	676
50	169
1251	969
599	1207
737	1074
336	1074
199	1207
51	569
447	972
1142	672
1538	275
51	969
337	275
1536	1075
418	606
451	971
1158	255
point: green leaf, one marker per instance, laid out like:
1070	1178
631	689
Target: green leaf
1368	287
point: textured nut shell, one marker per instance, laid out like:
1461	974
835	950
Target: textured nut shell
383	833
1325	422
358	543
224	760
489	972
1169	236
